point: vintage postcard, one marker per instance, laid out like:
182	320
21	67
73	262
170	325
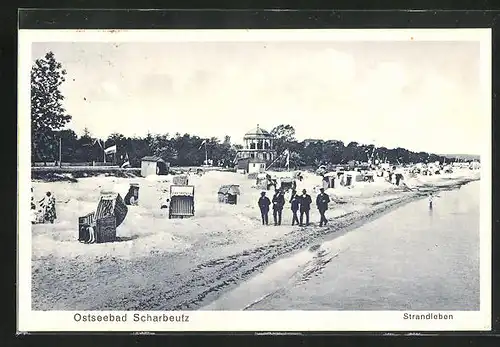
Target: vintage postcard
254	180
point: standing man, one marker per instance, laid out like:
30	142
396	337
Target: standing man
278	203
305	207
322	201
295	202
264	203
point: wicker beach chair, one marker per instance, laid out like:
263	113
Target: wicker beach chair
100	226
228	194
181	202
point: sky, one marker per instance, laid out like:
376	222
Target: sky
424	96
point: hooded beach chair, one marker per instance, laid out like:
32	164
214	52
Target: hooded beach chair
181	202
228	194
100	226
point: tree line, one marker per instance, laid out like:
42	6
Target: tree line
51	138
189	150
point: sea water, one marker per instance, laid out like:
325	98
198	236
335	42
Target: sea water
413	258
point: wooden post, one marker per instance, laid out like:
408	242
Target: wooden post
206	154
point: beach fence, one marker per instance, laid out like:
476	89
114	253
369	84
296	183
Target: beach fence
66	164
228	194
100	226
181	202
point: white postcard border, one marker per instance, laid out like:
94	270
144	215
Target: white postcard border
30	321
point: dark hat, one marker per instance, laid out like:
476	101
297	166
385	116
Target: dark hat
321	189
262	193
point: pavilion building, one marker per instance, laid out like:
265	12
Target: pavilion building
258	144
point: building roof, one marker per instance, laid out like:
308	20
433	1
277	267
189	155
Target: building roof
257	133
152	158
232	189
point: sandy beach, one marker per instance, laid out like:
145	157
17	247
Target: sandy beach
168	264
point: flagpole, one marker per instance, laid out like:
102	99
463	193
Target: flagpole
206	153
60	151
104	152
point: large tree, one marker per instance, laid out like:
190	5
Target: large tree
47	111
284	134
162	146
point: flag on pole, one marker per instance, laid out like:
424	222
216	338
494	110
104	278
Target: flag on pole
204	141
110	150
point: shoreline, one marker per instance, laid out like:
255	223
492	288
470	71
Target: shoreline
191	278
336	231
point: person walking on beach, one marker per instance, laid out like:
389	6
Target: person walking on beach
305	207
278	203
322	201
295	202
431	199
264	203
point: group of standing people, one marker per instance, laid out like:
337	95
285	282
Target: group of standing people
47	209
298	203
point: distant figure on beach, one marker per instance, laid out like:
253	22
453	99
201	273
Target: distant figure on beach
278	203
390	177
399	177
295	203
49	208
305	207
264	204
431	199
322	201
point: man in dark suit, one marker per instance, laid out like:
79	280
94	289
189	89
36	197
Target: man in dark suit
278	203
264	203
305	207
322	201
295	203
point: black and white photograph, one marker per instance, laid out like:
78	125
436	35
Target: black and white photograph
255	173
